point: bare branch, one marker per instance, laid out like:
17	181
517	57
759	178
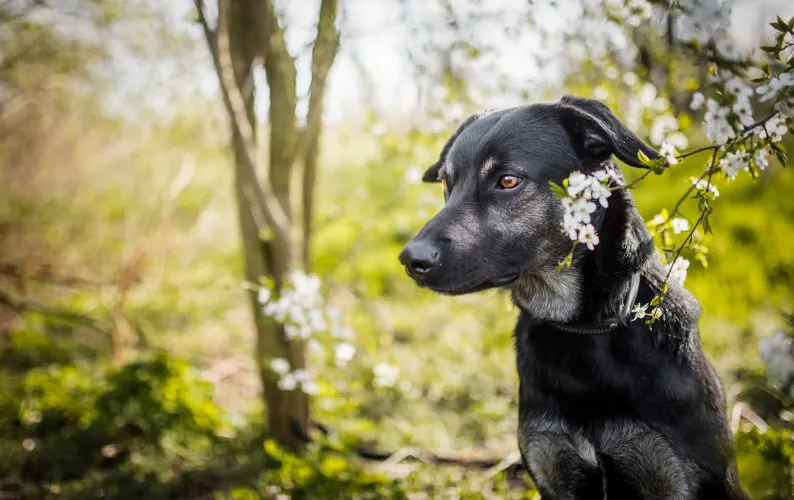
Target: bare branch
262	197
326	46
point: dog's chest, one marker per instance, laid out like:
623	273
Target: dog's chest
627	457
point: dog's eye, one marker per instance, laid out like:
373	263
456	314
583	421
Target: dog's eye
509	181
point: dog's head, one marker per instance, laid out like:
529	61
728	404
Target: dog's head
501	220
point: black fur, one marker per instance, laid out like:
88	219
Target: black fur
634	413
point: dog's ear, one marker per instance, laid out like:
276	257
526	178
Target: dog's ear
600	133
431	175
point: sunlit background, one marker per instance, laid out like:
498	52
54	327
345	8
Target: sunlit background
128	355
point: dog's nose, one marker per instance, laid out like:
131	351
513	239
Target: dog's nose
420	257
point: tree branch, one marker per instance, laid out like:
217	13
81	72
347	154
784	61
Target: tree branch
326	46
21	306
261	197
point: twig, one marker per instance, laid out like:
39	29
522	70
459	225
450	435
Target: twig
21	306
47	276
697	223
745	130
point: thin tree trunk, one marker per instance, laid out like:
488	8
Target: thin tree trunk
326	45
249	31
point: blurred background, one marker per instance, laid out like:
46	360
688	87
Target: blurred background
141	287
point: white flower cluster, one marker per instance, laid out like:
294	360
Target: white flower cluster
701	185
668	151
775	86
734	162
678	270
679	225
717	119
300	307
289	379
641	312
583	191
777	352
774	129
385	374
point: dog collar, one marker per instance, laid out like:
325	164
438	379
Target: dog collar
586	329
611	324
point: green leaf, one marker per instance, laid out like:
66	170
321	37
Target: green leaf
781	157
643	158
558	190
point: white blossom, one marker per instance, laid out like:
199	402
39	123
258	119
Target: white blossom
738	88
679	270
639	311
583	191
734	162
698	99
662	126
774	129
264	295
301	375
669	152
385	374
679	225
761	158
588	236
310	387
343	352
655	313
287	382
718	128
279	365
775	85
743	110
701	185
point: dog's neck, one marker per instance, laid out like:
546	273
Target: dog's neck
599	284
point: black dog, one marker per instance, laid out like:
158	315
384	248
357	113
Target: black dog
609	408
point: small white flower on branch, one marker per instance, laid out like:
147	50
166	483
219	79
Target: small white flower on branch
679	270
581	194
310	387
639	311
697	101
588	236
279	365
762	158
774	129
655	313
385	374
343	352
701	185
718	128
669	152
264	295
679	225
775	85
734	162
287	382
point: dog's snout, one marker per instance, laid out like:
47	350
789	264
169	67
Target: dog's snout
420	257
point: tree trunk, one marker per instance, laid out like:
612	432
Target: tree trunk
287	411
249	33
